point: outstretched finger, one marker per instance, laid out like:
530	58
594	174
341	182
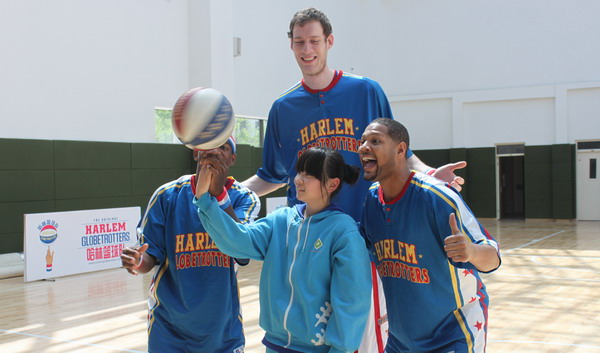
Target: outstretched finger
458	165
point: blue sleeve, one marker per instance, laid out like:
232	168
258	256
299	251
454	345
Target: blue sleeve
246	207
232	238
465	220
153	226
350	294
274	170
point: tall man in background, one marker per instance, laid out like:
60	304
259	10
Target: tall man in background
327	108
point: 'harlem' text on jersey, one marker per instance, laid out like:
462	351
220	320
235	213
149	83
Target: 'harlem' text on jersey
394	257
198	250
329	133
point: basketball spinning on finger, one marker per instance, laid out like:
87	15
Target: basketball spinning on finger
203	118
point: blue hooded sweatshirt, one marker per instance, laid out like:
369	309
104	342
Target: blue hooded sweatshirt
315	285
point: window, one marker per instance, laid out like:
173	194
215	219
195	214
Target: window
248	130
163	132
588	145
510	150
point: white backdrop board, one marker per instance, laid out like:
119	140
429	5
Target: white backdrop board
274	203
65	243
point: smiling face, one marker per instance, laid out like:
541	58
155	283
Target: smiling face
310	47
380	155
309	189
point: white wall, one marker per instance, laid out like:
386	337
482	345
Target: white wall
429	122
89	70
584	114
95	70
510	121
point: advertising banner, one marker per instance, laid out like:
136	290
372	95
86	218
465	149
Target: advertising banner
66	243
274	203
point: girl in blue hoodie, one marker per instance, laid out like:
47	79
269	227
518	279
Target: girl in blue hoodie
315	285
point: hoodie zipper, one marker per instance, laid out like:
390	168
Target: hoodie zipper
289	307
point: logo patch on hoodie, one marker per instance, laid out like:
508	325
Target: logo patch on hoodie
318	244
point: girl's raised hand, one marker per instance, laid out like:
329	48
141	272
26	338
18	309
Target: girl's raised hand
204	179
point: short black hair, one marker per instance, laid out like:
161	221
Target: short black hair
325	163
396	130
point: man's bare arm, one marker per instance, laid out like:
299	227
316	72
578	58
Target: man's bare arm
260	186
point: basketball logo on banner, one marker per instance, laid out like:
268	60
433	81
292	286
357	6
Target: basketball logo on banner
48	235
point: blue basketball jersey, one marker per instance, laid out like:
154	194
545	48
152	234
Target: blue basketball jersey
334	117
433	303
193	300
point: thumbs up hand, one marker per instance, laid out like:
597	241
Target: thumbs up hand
457	246
132	258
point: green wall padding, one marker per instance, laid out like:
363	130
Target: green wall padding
480	184
433	158
38	176
48	176
538	182
563	181
477	191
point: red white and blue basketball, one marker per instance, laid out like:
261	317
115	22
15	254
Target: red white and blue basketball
203	118
48	234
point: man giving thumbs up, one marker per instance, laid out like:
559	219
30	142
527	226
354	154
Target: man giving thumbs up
429	249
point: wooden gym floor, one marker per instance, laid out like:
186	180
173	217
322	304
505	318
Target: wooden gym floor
544	298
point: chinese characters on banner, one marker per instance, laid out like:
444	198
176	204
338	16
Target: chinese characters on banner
65	243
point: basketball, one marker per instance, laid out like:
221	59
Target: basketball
48	234
202	118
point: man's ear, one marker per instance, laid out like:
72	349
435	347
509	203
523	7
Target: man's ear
401	149
329	41
233	159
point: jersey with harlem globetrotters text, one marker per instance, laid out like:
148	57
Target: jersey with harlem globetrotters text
193	300
334	117
433	303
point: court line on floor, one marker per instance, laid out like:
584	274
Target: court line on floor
547	343
502	274
533	242
534	259
71	341
578	256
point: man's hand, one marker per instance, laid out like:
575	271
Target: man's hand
214	159
131	258
49	259
460	249
446	173
204	181
457	246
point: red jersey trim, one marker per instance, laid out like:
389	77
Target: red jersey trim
337	75
376	309
404	188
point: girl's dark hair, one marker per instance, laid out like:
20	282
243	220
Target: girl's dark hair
325	163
